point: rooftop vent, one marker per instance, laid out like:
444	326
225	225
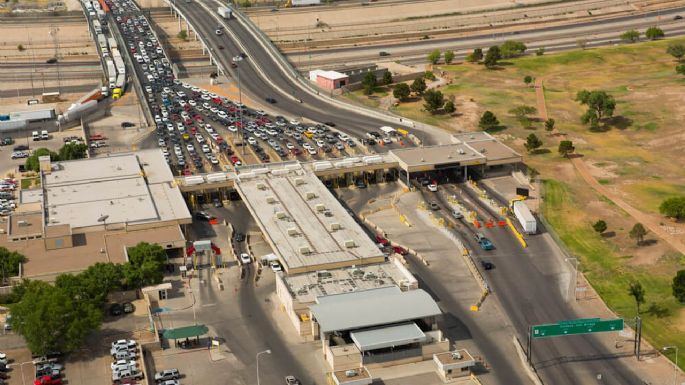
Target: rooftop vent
293	231
456	356
334	226
350	243
320	207
299	181
305	250
261	186
351	373
310	195
270	199
280	214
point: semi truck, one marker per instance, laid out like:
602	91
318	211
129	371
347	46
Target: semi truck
112	43
121	81
224	12
111	73
524	216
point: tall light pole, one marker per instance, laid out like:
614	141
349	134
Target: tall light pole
665	348
576	263
267	351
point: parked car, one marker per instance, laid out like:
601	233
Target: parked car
168	374
204	216
116	309
239	237
433	187
484	243
128	307
48	380
487	265
275	266
291	380
457	214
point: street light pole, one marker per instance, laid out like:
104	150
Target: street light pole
575	276
675	367
267	351
241	132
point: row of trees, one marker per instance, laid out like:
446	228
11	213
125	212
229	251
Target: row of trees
652	33
69	151
370	81
434	56
59	316
9	264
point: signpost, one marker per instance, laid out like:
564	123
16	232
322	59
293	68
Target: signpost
572	327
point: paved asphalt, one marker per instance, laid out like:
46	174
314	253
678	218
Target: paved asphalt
528	285
258	88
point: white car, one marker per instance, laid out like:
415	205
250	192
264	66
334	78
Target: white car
275	266
200	138
433	187
251	140
245	258
233	128
120	365
206	149
125	343
161	143
214	160
320	143
311	151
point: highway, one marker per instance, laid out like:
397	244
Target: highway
255	86
529	287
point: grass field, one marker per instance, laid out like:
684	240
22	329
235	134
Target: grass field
639	156
602	265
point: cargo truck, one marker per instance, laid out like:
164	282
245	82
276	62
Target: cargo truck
525	218
224	12
111	73
121	81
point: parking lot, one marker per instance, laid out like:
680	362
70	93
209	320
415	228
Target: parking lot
200	131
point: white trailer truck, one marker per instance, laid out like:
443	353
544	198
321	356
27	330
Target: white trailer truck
525	218
111	73
224	12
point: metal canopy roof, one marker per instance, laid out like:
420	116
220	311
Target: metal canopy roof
356	311
386	337
185	332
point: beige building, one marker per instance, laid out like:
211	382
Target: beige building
91	210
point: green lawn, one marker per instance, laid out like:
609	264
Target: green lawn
601	264
29	182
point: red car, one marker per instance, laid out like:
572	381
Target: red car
235	160
399	250
47	380
380	239
295	151
198	118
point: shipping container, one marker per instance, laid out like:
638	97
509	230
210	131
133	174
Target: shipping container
224	12
525	217
111	73
112	43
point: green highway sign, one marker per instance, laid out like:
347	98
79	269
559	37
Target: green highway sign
577	326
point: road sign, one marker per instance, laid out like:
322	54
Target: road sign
577	326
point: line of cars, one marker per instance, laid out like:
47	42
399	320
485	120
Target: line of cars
125	365
8	187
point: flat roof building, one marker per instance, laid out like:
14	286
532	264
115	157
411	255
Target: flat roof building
92	210
495	152
306	226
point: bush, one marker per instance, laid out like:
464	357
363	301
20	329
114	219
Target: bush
630	36
488	121
20	48
429	75
449	57
654	33
434	57
449	107
183	35
511	48
540	51
673	207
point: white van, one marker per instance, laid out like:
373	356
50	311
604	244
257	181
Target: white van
44	135
36	136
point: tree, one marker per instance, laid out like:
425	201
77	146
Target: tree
20	48
418	86
677	50
93	284
532	143
429	75
678	286
50	320
145	267
369	83
600	105
549	124
528	79
488	121
401	91
512	48
638	292
654	33
434	57
600	226
492	56
32	163
680	68
387	77
566	147
476	56
449	57
72	151
540	51
434	100
638	233
182	34
9	264
673	207
449	107
522	114
630	36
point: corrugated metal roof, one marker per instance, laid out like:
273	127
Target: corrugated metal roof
185	332
388	336
359	310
